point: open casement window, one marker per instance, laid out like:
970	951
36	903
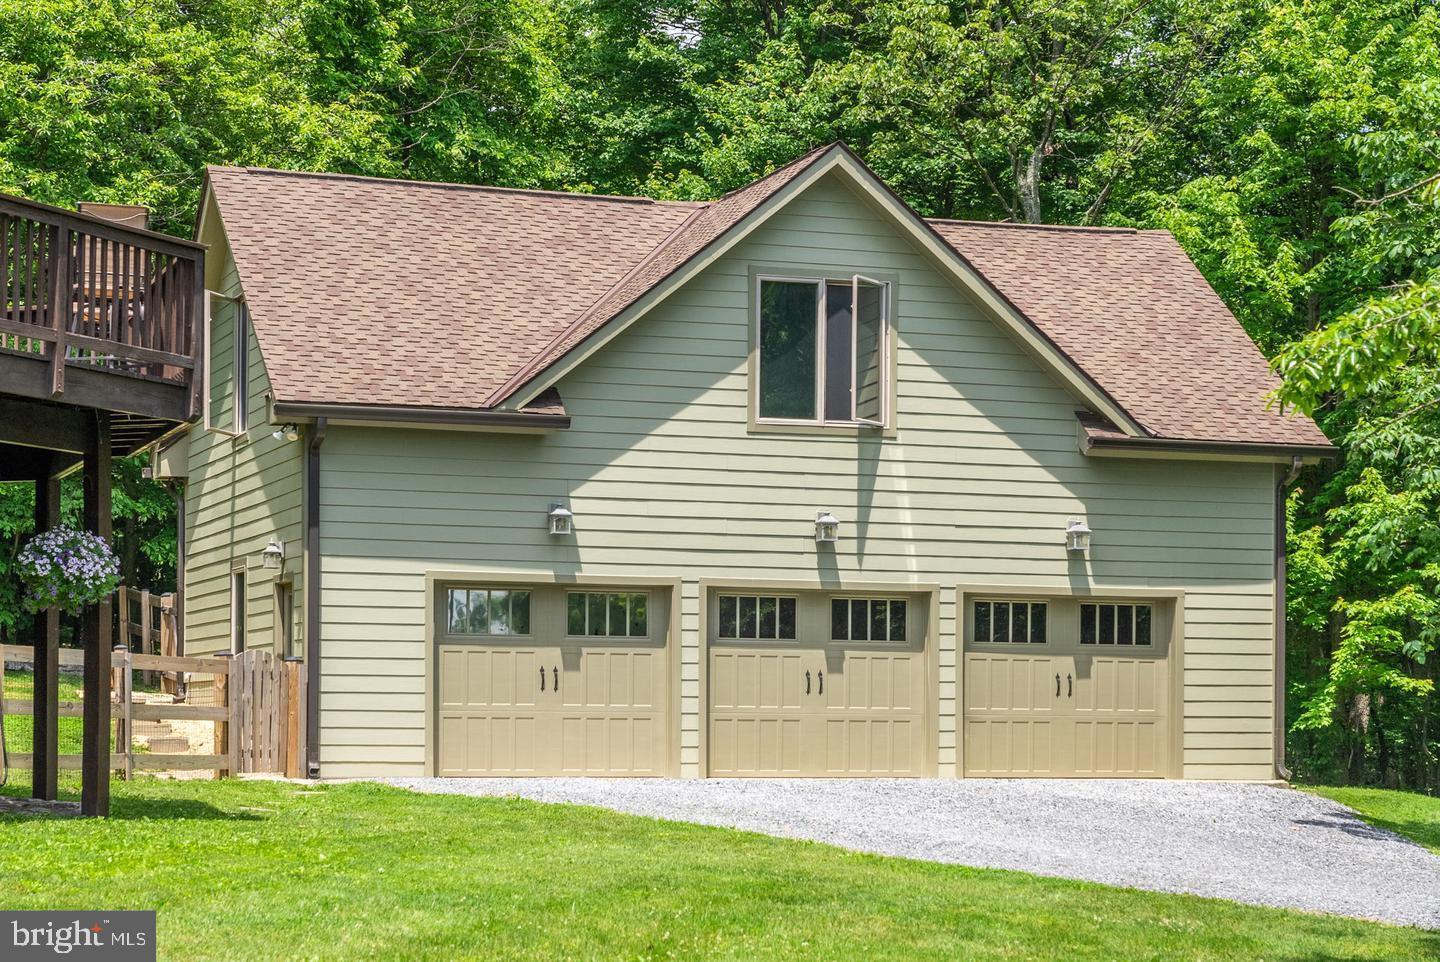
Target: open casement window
240	355
823	351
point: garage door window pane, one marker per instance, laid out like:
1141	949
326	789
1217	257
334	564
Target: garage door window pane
1107	624
1087	624
499	613
1125	624
575	613
879	620
859	620
1142	624
1020	622
897	620
1038	617
729	616
595	615
619	617
840	619
520	612
786	628
982	621
639	623
459	605
749	611
767	617
1002	621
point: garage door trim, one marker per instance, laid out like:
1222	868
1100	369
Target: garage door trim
853	586
1175	687
437	579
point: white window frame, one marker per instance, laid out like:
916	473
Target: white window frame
820	283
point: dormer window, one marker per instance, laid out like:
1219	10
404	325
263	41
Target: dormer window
823	349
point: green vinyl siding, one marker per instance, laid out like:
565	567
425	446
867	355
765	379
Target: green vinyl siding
666	480
240	491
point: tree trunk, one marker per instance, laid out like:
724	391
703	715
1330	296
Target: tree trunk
1027	182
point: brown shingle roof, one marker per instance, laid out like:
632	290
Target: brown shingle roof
1136	315
697	232
368	291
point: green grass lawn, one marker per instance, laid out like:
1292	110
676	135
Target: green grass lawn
1417	817
257	870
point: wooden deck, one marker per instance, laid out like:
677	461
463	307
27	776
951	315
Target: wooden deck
97	316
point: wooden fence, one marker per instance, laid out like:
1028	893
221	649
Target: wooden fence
257	711
147	627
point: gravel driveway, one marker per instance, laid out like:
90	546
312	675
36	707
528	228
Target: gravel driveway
1247	843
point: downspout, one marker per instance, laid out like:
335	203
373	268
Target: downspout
312	599
1281	771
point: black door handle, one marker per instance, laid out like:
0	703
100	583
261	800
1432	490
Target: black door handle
1069	687
542	677
1057	682
822	683
556	672
807	682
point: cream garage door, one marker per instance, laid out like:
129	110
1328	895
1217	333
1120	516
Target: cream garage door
550	680
1067	688
817	685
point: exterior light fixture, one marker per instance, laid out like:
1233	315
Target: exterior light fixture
1077	536
274	554
286	432
562	519
827	527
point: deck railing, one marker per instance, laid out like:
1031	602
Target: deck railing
81	291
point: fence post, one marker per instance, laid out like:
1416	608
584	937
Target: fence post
122	686
145	622
224	736
294	717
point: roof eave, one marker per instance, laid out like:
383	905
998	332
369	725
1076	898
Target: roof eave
415	415
1163	447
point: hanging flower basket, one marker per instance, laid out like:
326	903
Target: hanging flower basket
68	569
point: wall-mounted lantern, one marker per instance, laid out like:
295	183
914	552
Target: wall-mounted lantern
1077	536
562	519
827	527
274	554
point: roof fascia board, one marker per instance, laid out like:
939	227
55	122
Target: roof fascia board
677	279
393	415
970	279
1179	450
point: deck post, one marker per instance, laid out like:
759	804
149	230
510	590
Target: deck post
46	745
95	625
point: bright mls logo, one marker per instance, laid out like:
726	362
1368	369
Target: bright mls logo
108	936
